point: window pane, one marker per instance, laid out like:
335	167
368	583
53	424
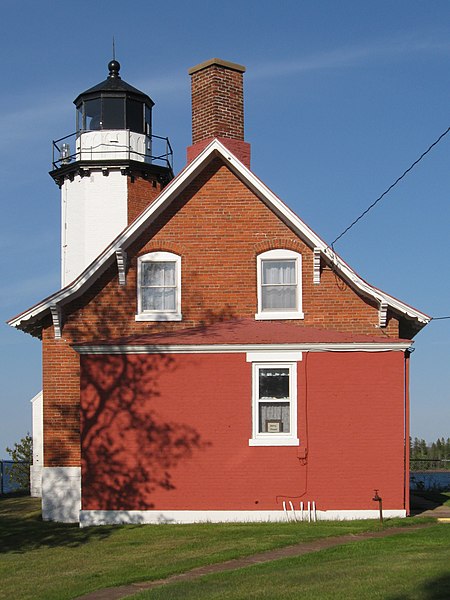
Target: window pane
152	298
169	273
148	121
80	118
152	273
158	286
92	114
113	113
169	298
278	271
274	417
280	297
158	273
135	115
274	383
158	298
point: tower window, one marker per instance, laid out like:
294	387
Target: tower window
135	116
113	116
92	114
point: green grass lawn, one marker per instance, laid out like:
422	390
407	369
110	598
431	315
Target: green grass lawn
410	566
40	560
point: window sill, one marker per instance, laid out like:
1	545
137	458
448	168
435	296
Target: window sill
274	440
275	316
159	317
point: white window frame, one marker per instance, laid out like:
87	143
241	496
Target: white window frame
270	315
159	315
270	361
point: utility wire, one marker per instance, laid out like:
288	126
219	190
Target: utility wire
390	187
439	318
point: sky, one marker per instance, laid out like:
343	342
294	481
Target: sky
340	98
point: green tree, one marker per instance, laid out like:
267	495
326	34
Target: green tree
22	455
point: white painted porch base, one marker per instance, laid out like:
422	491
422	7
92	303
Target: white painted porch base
35	481
157	517
61	494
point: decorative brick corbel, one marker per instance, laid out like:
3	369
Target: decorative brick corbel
382	314
316	266
121	257
57	320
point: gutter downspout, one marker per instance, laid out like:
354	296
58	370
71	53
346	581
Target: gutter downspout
406	440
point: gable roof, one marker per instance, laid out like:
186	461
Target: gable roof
29	320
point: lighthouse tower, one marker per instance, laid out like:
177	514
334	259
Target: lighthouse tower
109	170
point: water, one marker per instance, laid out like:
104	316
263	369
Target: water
430	480
6	485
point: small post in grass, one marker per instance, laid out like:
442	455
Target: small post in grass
378	499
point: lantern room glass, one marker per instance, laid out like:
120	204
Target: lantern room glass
114	112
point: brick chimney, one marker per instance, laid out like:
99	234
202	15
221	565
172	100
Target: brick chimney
218	108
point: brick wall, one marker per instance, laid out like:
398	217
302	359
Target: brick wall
141	193
61	385
218	227
350	425
217	100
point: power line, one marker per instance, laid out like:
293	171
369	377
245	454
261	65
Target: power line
439	318
391	186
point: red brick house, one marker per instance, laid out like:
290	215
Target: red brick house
209	357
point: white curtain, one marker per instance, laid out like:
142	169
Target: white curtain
158	288
279	286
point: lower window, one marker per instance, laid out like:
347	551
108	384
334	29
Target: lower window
274	404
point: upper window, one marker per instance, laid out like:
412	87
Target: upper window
159	287
279	285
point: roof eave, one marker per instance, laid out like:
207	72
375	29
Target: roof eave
214	149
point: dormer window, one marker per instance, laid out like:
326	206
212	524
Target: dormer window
279	278
159	287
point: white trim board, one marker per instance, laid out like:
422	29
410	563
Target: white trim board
238	348
172	191
159	517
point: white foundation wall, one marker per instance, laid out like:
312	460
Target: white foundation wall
94	211
155	517
38	445
61	494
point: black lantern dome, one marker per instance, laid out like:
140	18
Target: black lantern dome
114	104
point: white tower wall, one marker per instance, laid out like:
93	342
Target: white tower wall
117	144
94	212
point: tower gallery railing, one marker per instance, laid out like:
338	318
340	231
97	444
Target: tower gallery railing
127	146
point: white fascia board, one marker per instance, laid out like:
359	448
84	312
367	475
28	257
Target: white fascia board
215	148
98	266
241	348
283	211
37	397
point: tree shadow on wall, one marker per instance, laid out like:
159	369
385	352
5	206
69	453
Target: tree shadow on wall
128	448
